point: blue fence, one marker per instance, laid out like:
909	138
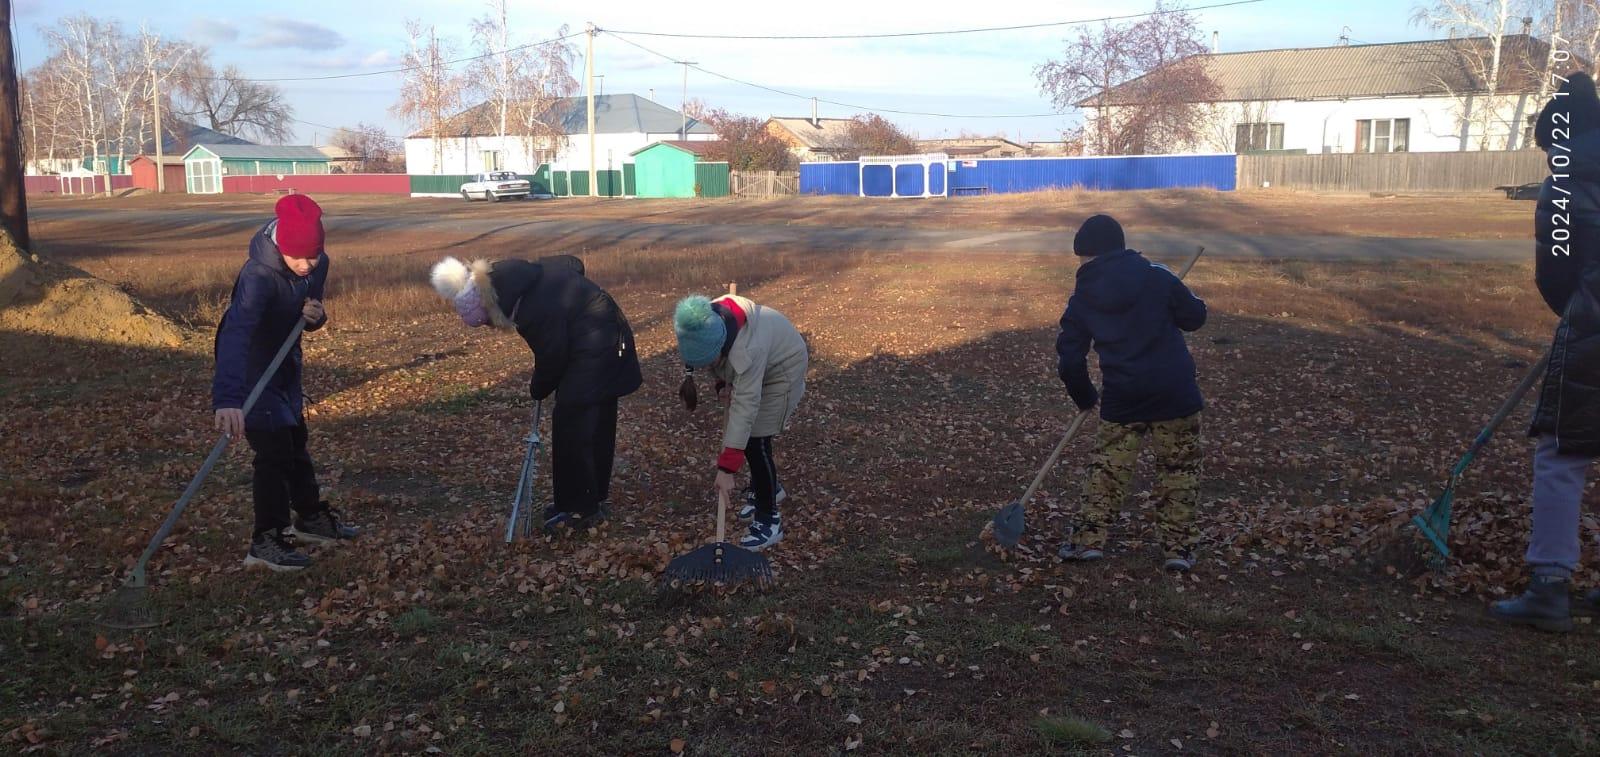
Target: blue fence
830	178
1034	174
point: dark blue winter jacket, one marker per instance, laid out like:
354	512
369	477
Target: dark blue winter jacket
266	303
1130	310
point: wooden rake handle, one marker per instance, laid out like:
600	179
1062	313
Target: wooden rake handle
722	514
1072	431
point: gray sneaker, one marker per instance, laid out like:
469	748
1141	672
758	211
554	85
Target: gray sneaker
1544	606
1077	553
748	509
323	527
275	551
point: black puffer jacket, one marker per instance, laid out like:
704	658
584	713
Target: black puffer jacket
582	344
1567	271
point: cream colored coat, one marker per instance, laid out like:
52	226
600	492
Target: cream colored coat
767	369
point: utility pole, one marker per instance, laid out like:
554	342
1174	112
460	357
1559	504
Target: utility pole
161	168
588	73
13	200
683	105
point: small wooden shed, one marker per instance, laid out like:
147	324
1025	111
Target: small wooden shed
675	168
144	172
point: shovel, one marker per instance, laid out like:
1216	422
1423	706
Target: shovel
1010	521
1434	523
129	606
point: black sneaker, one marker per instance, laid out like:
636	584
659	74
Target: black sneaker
1079	553
574	522
764	532
275	551
323	527
1587	605
748	509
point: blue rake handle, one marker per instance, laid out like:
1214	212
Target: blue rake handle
136	579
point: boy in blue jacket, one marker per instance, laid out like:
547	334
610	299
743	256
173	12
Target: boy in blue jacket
281	283
1133	313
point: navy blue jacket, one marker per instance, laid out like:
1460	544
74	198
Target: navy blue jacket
1131	311
583	347
266	302
1567	272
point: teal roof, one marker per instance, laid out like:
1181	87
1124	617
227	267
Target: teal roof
261	152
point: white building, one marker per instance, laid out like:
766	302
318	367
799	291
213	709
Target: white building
623	124
1427	96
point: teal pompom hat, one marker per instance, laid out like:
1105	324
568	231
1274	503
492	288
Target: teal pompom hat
701	331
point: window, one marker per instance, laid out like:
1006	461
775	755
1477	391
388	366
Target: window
1383	135
1257	136
491	160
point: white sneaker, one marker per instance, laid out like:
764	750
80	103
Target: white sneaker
763	534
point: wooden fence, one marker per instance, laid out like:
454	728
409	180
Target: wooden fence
1394	172
765	183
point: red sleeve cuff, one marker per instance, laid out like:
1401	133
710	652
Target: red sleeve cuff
731	460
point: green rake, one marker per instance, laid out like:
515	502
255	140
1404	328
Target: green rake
1434	523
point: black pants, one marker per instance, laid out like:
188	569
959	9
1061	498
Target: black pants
763	474
284	478
585	439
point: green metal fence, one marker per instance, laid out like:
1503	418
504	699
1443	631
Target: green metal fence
711	180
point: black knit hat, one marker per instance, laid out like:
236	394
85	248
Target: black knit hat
1099	235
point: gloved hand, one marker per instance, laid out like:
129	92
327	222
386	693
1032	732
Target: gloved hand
686	391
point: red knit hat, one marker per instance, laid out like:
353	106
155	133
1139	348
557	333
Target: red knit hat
299	233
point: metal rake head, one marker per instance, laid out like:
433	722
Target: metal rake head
1009	524
128	608
719	563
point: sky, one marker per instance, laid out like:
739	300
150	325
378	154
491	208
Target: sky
971	77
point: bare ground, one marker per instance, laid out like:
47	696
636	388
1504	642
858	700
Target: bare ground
1338	396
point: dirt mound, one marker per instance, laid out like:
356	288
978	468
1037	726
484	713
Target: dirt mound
62	301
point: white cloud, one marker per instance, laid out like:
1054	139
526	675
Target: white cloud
380	59
213	31
286	33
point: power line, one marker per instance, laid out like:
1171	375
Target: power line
404	68
975	30
675	60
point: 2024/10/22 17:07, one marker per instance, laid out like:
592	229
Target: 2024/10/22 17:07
1560	133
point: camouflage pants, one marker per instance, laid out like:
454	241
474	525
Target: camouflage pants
1176	447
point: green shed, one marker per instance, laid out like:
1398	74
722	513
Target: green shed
670	169
206	166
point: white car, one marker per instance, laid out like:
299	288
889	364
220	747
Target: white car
496	186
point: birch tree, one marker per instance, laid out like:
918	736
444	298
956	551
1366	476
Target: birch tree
429	92
1476	69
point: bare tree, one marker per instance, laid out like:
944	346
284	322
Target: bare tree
161	62
1146	82
429	91
377	150
75	71
522	83
872	134
1477	65
232	104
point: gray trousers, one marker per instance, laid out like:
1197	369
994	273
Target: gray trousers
1558	482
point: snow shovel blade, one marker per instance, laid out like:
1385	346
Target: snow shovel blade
1008	524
